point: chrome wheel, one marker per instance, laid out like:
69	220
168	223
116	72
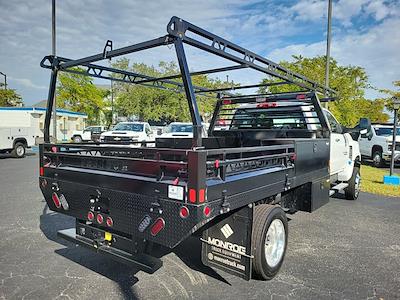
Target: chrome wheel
357	183
20	151
377	159
275	243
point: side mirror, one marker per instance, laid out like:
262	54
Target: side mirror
364	124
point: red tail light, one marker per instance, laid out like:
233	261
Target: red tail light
225	102
216	164
192	196
301	96
184	212
158	225
99	218
109	222
90	216
41	171
54	149
221	122
202	196
207	211
56	200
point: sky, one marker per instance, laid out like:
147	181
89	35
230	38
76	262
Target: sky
365	33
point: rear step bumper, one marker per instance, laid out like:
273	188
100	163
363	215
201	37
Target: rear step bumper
143	262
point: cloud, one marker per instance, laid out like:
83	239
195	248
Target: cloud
27	83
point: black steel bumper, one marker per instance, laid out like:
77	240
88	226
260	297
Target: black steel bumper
141	261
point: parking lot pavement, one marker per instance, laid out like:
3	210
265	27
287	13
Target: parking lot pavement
346	249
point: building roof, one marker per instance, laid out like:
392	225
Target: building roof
41	109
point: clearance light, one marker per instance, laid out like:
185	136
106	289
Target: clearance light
301	96
90	216
56	200
207	211
216	164
41	171
99	218
266	105
184	212
109	222
225	102
54	149
158	225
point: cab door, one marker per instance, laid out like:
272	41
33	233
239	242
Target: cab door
338	145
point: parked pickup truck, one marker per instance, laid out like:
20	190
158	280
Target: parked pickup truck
231	189
91	133
377	144
129	132
181	130
15	140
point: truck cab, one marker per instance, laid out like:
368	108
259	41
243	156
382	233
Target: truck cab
91	133
377	144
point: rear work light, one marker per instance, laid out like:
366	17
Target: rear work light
184	212
56	200
99	218
158	225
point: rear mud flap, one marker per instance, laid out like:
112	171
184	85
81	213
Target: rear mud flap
227	244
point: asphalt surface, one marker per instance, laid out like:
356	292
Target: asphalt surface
344	250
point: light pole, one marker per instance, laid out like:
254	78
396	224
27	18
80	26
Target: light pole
396	107
5	80
53	46
328	49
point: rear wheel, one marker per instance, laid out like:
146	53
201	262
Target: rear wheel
353	189
19	150
269	240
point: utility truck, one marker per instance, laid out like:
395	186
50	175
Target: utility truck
231	189
15	140
91	133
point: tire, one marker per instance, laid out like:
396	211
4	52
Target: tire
377	159
18	151
264	216
353	190
77	139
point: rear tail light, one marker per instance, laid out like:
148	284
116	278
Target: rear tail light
99	218
226	102
90	216
41	171
184	212
207	211
192	196
202	196
158	225
56	200
109	222
221	122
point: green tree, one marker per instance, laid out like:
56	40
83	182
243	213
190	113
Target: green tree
349	82
154	104
77	92
10	97
391	93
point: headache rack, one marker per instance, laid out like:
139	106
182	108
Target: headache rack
180	32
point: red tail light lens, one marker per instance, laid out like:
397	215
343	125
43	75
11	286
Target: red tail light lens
192	196
90	216
54	149
109	222
226	102
301	96
56	200
202	195
267	105
158	225
41	171
184	212
99	218
207	211
221	122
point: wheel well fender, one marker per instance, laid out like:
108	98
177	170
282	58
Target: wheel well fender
376	148
20	140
